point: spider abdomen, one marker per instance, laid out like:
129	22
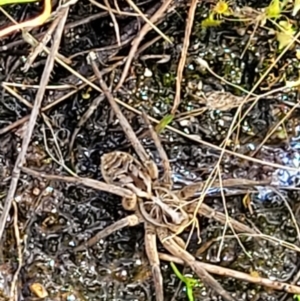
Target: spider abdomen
124	170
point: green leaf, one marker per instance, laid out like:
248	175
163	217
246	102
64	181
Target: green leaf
274	10
189	282
296	297
164	122
285	36
210	21
5	2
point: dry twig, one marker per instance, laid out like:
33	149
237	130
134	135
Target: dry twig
114	20
218	270
142	15
38	49
135	44
185	46
32	121
13	288
39	20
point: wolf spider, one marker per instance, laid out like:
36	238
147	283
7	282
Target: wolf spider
152	201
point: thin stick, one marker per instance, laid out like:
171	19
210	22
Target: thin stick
14	125
95	103
142	15
68	26
269	238
39	20
167	177
218	270
52	104
227	222
81	181
13	291
185	46
139	38
116	25
122	13
32	121
209	212
39	48
16	95
289	209
123	121
275	127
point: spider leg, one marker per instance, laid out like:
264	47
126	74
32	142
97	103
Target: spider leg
167	176
152	254
128	221
175	249
209	212
195	188
144	158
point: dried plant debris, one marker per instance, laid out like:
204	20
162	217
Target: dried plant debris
223	101
93	168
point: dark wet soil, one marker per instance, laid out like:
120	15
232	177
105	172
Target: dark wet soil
53	217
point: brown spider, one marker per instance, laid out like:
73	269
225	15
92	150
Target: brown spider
152	200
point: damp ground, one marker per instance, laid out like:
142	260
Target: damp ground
53	217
